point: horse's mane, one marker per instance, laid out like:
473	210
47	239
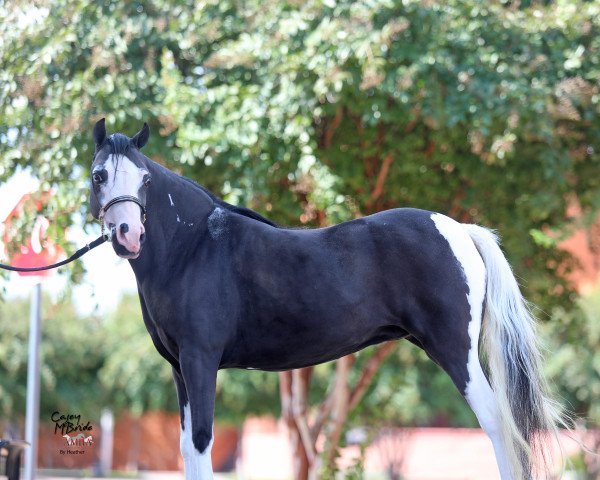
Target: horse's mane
119	143
246	212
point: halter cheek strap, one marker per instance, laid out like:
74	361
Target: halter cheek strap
114	201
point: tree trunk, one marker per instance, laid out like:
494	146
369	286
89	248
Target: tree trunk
306	424
300	461
339	410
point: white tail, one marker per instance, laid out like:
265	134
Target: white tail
527	416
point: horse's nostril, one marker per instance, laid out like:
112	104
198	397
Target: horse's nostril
142	238
124	228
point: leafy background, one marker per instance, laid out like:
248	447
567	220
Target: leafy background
313	113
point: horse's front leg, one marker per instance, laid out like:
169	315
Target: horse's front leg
196	384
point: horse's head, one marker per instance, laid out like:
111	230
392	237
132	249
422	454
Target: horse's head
120	180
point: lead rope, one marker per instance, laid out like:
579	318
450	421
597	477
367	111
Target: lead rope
99	241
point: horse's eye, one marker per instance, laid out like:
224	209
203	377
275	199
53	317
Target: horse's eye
99	176
147	180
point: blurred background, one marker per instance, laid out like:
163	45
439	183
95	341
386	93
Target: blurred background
311	113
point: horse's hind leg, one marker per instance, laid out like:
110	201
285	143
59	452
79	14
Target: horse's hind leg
454	342
457	353
480	397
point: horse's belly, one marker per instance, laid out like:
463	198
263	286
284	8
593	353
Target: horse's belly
274	353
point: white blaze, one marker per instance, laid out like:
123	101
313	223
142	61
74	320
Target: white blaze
124	178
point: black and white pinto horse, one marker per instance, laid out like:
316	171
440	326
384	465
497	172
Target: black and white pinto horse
222	287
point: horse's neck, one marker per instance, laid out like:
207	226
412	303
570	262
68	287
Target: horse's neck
171	194
177	213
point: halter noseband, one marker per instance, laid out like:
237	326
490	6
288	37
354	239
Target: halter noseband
122	198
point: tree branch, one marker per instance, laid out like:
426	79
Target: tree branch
383	173
325	407
382	351
339	411
321	416
330	129
301	465
285	393
300	383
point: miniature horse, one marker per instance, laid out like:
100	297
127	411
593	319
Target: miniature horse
222	287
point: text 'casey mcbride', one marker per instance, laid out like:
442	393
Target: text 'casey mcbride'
69	423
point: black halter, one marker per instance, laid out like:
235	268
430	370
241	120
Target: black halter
122	198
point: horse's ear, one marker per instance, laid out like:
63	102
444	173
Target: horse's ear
141	138
99	133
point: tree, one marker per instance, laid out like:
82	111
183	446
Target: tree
574	336
70	355
134	376
317	112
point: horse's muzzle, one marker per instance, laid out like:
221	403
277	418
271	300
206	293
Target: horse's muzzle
120	249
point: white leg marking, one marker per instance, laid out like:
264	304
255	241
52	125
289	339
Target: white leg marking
198	466
478	391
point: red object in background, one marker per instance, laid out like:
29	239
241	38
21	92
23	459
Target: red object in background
39	250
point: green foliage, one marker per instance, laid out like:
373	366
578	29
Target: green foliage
574	339
134	376
411	390
354	471
241	393
71	356
316	112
